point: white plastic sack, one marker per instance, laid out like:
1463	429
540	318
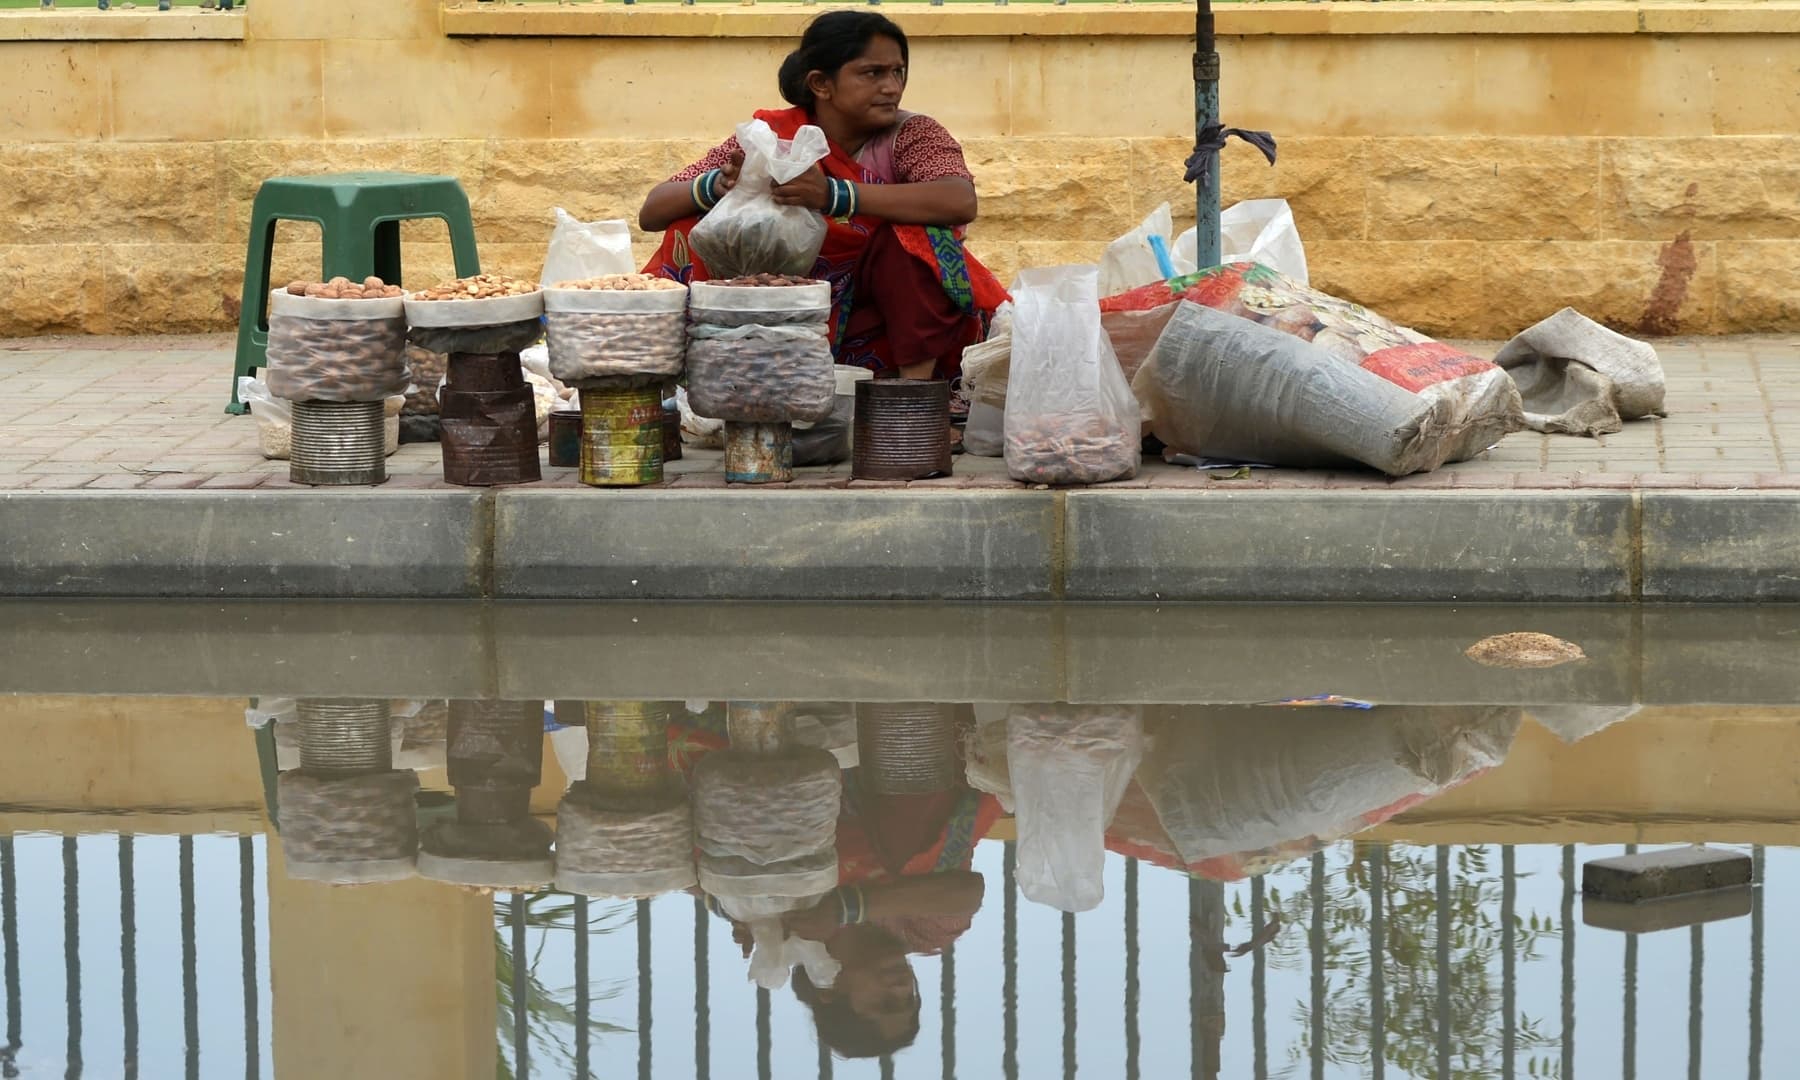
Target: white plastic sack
987	364
274	417
1070	415
1068	766
580	250
748	232
271	710
1249	781
984	754
1130	261
1258	231
774	953
1579	378
698	431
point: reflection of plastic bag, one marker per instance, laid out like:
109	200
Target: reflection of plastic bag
748	232
774	954
1130	261
1258	231
586	249
1070	416
984	752
1069	765
270	710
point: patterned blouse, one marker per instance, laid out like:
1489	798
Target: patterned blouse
924	150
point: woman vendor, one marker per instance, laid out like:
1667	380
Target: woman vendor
906	295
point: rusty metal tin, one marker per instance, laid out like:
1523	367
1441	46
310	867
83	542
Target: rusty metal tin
902	429
758	453
489	437
628	751
496	743
484	371
337	442
565	439
341	737
621	437
759	727
907	748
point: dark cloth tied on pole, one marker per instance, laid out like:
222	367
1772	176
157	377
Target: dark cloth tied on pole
1212	140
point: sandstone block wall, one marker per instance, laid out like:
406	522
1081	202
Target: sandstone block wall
1464	181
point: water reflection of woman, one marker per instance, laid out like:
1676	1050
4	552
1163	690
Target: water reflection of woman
906	888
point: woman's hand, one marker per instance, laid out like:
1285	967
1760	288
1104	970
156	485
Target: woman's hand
728	174
816	923
809	189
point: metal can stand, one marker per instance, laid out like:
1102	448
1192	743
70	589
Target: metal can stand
347	815
337	443
758	453
489	421
902	429
621	436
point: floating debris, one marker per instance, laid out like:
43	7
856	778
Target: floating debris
1524	650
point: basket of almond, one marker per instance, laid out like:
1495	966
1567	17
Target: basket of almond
619	324
482	300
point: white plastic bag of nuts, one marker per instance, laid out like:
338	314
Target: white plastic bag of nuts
620	324
748	232
759	350
1070	415
326	348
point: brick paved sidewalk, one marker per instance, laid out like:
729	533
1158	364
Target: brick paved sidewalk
124	413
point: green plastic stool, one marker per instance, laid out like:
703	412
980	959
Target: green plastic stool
359	216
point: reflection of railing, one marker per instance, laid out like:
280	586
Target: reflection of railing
1415	1010
39	902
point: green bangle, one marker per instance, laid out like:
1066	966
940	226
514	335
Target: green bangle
701	191
853	906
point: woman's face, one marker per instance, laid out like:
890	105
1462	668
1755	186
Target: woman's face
866	91
884	992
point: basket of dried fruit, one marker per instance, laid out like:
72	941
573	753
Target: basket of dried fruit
337	340
482	300
619	324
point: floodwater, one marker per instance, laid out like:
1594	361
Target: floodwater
558	840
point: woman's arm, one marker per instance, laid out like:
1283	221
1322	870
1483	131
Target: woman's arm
673	200
948	202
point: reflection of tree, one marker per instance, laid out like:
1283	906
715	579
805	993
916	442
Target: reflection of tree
550	1021
1427	978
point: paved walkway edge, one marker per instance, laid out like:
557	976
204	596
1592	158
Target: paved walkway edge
1089	545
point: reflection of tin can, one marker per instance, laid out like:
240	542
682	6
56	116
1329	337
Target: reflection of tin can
565	439
759	453
344	737
759	727
909	748
337	442
621	437
628	748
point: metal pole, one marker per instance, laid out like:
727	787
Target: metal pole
1009	964
190	970
1206	115
520	990
247	930
947	1009
1131	969
1316	945
1509	892
645	1047
1696	984
1068	989
583	1002
1756	965
1568	963
1443	960
72	951
1377	964
1628	1064
9	935
128	950
763	1048
702	996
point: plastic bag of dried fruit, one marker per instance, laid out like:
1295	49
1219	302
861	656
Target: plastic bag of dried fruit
1070	415
1068	766
748	232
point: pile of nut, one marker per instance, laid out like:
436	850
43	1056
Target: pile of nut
479	287
342	288
765	281
761	375
630	282
1079	448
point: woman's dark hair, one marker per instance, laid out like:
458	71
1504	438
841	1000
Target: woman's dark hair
842	1029
831	41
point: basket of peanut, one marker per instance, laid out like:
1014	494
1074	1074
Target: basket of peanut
482	300
620	324
337	340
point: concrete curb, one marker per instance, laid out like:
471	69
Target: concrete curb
952	545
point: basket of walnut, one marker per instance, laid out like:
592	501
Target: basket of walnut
482	300
337	340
